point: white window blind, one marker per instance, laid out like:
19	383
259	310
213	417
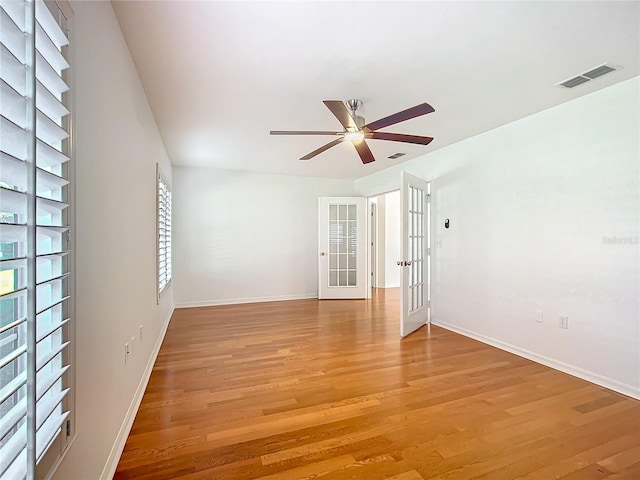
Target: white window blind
164	233
34	235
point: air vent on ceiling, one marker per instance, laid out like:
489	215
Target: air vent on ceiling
396	155
599	71
587	76
574	82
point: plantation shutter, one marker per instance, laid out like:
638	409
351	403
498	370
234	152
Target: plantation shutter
34	234
164	234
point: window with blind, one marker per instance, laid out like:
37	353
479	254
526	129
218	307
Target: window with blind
164	233
35	239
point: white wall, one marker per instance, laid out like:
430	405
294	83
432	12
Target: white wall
117	147
241	237
533	206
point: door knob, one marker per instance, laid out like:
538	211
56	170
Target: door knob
322	254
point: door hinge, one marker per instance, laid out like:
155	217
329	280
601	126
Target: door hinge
429	303
68	428
429	251
428	198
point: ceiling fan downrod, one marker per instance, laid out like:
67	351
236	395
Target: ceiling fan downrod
353	105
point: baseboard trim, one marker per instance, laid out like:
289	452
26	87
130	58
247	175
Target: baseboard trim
592	377
236	301
111	465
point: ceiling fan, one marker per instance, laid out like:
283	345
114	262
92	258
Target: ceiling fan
357	131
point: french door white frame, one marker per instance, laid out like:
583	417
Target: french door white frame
415	250
342	248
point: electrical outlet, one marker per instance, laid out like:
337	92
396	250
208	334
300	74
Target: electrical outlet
564	321
539	316
141	333
126	352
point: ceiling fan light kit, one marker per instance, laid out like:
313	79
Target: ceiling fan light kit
357	131
354	136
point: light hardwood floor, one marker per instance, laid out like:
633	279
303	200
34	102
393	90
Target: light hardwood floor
327	390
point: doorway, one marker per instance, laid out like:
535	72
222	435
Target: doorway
380	242
385	240
400	242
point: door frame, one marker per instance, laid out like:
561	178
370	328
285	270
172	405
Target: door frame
373	245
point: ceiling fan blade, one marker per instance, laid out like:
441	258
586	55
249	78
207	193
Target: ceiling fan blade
407	114
363	150
309	156
399	137
340	110
303	132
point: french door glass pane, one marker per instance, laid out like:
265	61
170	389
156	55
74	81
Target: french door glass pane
343	239
416	247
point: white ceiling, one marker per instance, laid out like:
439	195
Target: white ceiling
220	75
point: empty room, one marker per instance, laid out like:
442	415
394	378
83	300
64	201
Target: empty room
330	240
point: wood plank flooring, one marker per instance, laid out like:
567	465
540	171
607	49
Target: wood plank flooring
327	390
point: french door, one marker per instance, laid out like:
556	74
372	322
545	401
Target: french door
415	248
342	247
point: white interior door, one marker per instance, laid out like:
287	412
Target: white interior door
342	247
414	280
